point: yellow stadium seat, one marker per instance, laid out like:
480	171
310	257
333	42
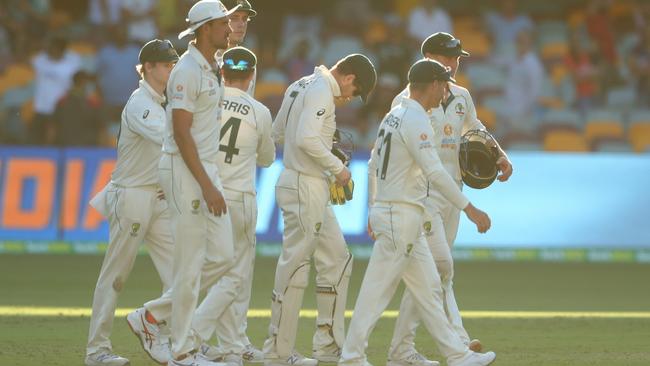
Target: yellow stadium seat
463	80
558	72
639	136
83	48
263	90
27	111
487	116
554	50
565	141
17	76
603	129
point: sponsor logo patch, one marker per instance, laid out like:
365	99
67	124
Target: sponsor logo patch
145	114
195	206
134	228
320	112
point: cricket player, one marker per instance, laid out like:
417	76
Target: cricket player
237	313
132	201
239	24
455	115
305	125
404	153
245	142
189	175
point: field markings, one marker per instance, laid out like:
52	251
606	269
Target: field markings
310	313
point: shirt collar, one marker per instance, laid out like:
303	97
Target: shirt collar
411	103
157	97
206	66
325	72
235	91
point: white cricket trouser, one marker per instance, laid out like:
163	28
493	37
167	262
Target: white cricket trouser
203	253
231	326
400	253
135	215
310	228
440	229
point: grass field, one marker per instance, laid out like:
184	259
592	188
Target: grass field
68	281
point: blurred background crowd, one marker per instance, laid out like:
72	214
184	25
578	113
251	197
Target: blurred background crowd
573	75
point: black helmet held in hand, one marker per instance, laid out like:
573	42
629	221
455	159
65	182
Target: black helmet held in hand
478	158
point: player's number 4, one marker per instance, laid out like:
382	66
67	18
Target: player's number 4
231	124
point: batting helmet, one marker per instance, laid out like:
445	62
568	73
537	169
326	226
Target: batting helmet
478	158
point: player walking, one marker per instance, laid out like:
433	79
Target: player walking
132	201
245	142
455	115
305	125
404	153
189	175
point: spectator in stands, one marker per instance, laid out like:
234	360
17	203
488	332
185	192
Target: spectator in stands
140	17
600	28
24	21
584	72
104	13
427	19
301	61
641	14
503	27
639	64
522	91
77	118
116	73
53	70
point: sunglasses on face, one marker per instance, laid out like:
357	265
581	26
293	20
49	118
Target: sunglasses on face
242	65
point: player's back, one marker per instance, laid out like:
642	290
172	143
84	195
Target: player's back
246	122
398	140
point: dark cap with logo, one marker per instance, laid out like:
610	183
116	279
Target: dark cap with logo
442	43
239	59
244	5
364	71
158	51
428	71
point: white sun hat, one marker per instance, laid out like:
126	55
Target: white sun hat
203	12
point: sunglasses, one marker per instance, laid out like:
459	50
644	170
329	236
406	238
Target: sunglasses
357	88
242	65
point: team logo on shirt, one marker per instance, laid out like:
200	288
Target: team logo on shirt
460	110
145	114
423	136
195	206
320	112
409	248
427	228
134	228
448	129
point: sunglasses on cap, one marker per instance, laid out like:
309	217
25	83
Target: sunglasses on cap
242	65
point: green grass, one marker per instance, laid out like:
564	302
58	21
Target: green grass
40	280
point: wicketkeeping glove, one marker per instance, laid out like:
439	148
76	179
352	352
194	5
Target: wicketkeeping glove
341	194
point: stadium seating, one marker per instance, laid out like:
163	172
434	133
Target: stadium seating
561	119
603	130
487	116
612	146
565	141
639	136
621	98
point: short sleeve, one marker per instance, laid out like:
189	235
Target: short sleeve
183	89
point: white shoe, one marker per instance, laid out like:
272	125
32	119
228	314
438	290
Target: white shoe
475	359
212	353
296	359
252	354
329	353
155	345
414	359
105	357
196	359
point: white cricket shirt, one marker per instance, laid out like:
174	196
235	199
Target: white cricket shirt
194	86
245	140
140	138
404	155
306	123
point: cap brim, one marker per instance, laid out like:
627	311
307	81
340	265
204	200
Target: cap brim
191	29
